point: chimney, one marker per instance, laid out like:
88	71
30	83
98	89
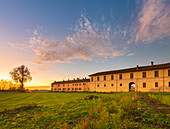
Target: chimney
77	78
137	67
151	63
85	77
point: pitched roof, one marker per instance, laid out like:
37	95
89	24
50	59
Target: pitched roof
71	81
134	69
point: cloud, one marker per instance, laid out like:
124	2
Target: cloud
97	41
153	21
46	68
12	44
88	41
130	54
36	63
34	73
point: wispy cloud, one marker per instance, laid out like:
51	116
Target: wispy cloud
36	63
34	73
46	68
130	54
89	40
12	44
153	22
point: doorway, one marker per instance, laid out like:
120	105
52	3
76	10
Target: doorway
131	86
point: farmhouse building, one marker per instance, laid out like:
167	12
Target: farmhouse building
152	78
75	85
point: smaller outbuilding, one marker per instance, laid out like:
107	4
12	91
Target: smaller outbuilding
75	85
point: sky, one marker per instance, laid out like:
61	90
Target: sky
66	39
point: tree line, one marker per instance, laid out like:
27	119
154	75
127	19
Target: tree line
8	85
19	75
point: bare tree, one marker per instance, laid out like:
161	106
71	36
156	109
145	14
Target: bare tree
21	75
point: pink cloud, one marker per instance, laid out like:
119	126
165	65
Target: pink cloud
12	44
130	54
36	63
153	21
88	41
46	68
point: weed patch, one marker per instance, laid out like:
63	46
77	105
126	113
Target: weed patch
92	111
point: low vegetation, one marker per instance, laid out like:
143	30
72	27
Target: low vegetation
84	110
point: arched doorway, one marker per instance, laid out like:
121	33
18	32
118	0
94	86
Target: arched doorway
131	86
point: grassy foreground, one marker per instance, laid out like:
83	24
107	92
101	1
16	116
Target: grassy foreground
84	110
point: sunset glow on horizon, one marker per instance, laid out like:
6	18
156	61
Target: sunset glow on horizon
68	39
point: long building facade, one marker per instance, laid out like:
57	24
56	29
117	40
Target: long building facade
152	78
75	85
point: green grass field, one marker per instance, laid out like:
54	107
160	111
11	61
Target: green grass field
13	100
84	110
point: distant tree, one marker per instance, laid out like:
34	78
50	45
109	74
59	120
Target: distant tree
21	75
7	85
13	86
3	84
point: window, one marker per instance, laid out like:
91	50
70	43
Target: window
59	88
68	84
58	85
104	85
51	85
120	76
97	78
84	84
144	74
120	84
64	88
156	84
73	84
144	85
97	85
63	85
156	73
168	72
104	78
91	78
169	84
112	77
68	88
72	88
54	88
131	75
79	88
80	84
51	88
76	88
111	84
